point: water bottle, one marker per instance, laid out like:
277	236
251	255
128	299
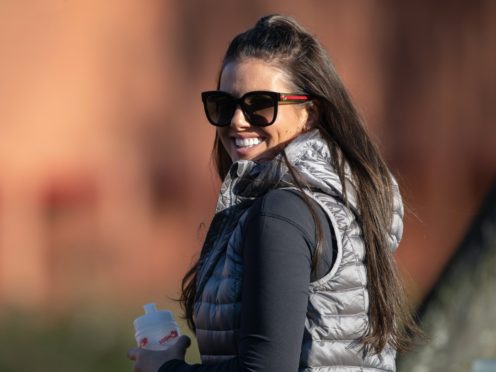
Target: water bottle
156	329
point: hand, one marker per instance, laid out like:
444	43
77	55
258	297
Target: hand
151	361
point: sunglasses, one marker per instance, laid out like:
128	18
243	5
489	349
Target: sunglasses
259	107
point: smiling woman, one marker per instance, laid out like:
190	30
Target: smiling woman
296	272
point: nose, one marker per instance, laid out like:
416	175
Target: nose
238	120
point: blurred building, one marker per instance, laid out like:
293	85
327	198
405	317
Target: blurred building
105	179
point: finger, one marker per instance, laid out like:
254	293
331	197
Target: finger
133	353
183	342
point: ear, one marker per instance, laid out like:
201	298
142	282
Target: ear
312	115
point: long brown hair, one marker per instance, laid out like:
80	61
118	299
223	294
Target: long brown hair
281	41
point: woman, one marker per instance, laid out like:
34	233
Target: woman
296	272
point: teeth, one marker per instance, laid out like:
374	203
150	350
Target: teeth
247	142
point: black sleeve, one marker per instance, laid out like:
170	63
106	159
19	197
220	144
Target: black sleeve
277	255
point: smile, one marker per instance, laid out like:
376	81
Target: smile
247	142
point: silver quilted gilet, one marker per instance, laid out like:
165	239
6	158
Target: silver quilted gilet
338	303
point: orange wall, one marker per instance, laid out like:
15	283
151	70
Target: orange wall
104	152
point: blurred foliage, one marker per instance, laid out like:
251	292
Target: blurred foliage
76	341
31	342
458	316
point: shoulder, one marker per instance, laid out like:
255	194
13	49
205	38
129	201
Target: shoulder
282	220
287	206
279	202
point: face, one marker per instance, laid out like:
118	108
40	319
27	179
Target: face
244	141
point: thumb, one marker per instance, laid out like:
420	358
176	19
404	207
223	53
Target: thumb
180	346
178	350
183	342
133	353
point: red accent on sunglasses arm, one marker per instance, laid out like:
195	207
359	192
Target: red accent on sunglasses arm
285	97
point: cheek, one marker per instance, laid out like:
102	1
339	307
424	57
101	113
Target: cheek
292	124
280	133
290	131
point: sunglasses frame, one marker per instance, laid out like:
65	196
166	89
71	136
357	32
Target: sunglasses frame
278	98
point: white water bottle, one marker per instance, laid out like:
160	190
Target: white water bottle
156	329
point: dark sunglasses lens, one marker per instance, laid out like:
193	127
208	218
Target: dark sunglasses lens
219	109
259	108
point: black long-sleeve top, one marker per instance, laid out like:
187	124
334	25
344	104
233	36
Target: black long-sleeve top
277	256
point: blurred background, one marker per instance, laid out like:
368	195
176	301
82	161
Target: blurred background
106	185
